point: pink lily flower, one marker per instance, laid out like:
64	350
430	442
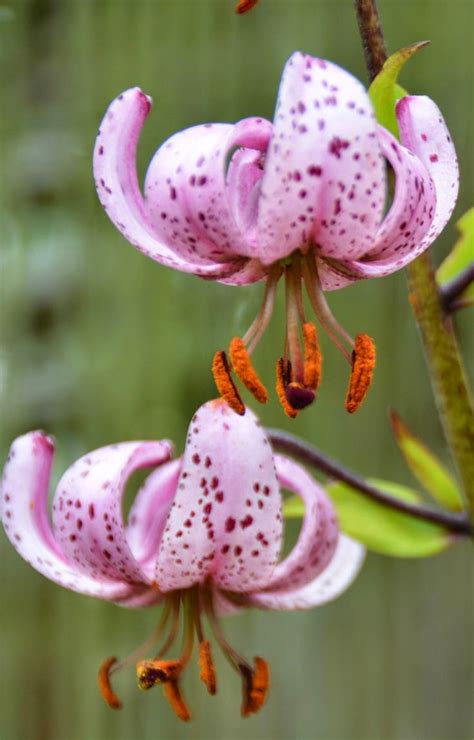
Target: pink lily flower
304	197
203	536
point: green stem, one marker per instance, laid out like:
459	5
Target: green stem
447	373
442	354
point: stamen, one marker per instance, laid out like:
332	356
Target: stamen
103	679
363	365
224	383
174	627
320	306
281	387
255	682
152	672
312	357
206	664
175	698
256	685
242	365
244	5
259	325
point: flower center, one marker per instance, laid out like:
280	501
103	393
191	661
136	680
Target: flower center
186	607
298	371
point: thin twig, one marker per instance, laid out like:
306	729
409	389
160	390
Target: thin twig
371	33
286	442
450	292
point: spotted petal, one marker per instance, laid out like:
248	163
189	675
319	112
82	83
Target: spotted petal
87	509
225	521
426	191
118	189
319	530
324	172
24	492
148	514
424	132
328	585
188	198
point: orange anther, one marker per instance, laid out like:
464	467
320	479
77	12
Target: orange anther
224	383
281	385
175	698
244	5
103	679
151	672
255	687
363	365
243	368
208	672
312	357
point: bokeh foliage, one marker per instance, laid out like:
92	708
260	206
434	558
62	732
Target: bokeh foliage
99	344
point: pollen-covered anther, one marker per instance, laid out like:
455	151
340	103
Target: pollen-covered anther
245	5
312	357
103	679
152	672
206	664
173	694
363	365
224	383
281	387
243	368
256	684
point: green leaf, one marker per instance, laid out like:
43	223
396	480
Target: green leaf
426	467
384	90
381	528
461	256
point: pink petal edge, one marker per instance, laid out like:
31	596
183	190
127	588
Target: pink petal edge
327	586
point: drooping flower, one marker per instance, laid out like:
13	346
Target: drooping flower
203	537
303	197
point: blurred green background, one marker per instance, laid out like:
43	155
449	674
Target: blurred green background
99	344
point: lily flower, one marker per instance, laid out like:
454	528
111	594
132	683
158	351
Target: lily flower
303	197
203	537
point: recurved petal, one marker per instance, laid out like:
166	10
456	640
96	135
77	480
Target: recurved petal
426	188
225	521
24	495
324	171
115	173
147	517
424	132
87	509
404	229
188	198
328	585
319	529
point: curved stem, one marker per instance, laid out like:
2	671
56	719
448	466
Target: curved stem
452	291
286	442
444	362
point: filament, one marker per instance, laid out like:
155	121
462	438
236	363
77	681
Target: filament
320	306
